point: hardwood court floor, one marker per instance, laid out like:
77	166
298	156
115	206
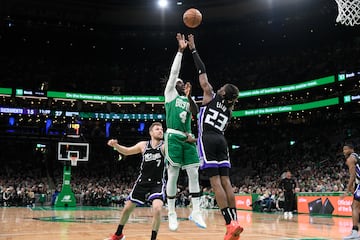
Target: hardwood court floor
98	223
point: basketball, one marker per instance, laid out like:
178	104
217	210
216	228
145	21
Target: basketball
192	18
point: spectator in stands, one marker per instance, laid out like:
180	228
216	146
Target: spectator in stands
7	197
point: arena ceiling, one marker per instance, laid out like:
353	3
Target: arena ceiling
147	12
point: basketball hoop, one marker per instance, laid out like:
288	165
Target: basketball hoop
73	160
349	12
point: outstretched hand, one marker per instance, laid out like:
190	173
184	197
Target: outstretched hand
183	43
112	142
191	42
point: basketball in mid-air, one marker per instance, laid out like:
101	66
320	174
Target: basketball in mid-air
192	17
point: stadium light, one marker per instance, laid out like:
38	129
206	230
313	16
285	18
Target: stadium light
162	3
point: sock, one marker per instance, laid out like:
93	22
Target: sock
153	235
119	230
233	214
226	214
195	204
356	228
171	204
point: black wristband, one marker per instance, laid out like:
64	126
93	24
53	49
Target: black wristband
200	66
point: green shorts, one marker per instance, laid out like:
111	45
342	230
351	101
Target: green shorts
179	153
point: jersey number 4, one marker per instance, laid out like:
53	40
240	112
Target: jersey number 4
183	116
216	119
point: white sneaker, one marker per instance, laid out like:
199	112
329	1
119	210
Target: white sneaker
196	217
290	214
173	223
353	235
286	215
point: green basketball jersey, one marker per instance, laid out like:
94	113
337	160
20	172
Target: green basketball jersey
178	115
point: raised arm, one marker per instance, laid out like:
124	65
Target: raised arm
137	148
193	106
170	91
200	66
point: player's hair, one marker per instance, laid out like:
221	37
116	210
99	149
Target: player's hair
154	124
231	92
349	145
179	80
179	90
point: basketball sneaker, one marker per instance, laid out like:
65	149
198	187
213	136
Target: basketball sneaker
173	223
353	235
196	217
116	237
233	231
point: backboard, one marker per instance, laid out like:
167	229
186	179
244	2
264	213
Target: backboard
68	151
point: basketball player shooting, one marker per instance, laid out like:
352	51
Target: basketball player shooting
180	145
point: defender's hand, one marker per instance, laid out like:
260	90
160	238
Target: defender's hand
191	42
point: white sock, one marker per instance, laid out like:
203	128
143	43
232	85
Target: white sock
171	204
195	204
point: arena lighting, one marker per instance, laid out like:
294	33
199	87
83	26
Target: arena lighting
11	121
107	127
48	125
163	3
141	127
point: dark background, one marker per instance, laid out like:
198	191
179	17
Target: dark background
127	47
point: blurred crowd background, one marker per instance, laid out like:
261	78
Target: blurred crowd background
57	48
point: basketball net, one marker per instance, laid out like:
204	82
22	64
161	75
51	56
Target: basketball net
349	12
73	161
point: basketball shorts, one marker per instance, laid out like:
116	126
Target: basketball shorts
180	153
357	192
147	191
213	151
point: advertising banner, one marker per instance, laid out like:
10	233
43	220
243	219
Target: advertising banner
243	202
330	205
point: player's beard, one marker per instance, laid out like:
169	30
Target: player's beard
158	138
